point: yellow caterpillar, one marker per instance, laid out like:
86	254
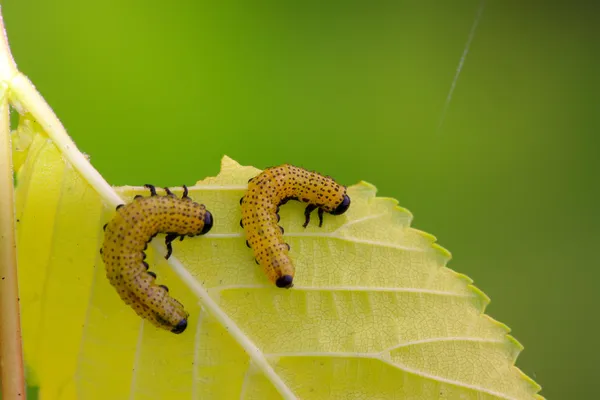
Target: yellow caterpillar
126	237
260	206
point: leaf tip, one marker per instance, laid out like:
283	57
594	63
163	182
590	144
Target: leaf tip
229	163
364	188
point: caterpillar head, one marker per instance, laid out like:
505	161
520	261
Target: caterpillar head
342	207
208	222
201	222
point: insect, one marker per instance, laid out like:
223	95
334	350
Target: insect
126	237
272	188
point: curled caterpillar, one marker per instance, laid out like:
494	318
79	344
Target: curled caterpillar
126	237
260	206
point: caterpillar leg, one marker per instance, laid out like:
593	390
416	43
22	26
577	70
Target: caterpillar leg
185	192
168	191
152	189
168	239
309	208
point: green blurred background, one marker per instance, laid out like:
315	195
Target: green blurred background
158	92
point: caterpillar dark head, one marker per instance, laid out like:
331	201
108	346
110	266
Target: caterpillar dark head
208	222
342	207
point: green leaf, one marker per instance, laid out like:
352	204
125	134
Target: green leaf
374	313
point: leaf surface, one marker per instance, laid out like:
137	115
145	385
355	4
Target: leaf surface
374	313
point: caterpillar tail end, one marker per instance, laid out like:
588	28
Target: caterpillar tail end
180	326
285	282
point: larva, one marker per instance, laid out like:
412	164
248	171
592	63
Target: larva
273	187
126	237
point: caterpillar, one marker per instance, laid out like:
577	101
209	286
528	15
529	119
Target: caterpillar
126	237
269	190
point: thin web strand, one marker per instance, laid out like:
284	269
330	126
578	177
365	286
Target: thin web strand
460	65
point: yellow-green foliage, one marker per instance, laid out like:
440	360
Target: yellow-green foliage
374	313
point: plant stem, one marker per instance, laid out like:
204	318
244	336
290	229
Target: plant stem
8	68
11	351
